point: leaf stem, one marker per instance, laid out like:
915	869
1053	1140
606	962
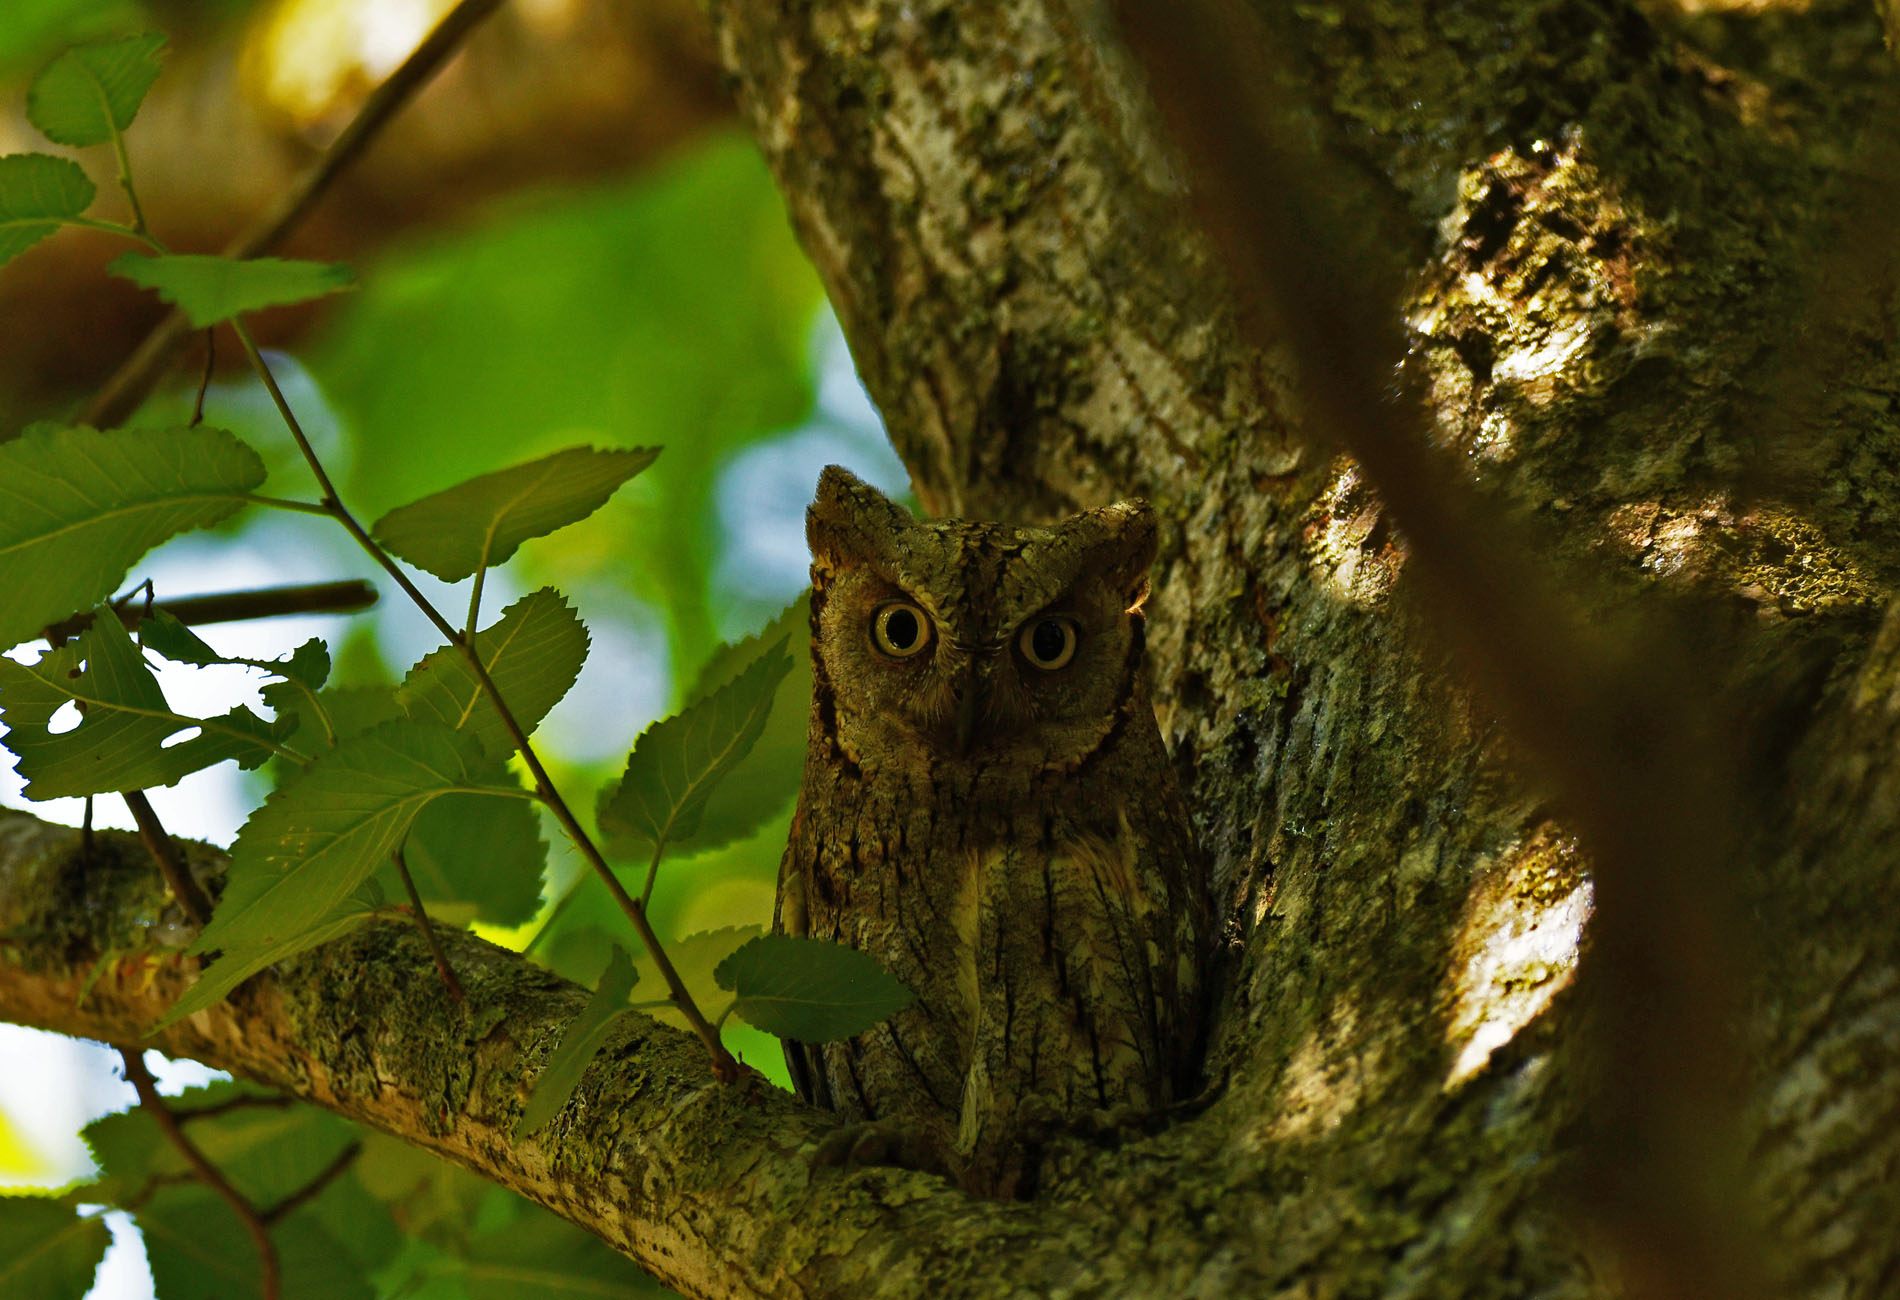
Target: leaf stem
475	599
141	1080
723	1065
284	503
114	228
171	864
653	868
442	967
139	228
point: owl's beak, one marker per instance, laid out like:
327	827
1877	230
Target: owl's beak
969	708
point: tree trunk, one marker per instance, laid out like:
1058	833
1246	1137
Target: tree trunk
1606	216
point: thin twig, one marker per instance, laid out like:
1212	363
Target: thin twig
442	967
723	1065
311	1190
238	606
136	377
141	1080
171	864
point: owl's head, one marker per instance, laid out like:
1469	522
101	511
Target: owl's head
974	642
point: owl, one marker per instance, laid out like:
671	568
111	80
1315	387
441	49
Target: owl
988	810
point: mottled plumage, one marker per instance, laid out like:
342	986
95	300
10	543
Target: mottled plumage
1007	838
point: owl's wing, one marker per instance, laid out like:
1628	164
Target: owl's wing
802	1061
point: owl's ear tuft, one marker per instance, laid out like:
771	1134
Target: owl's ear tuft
849	519
1119	542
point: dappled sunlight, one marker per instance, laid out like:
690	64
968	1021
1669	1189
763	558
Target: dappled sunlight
1348	542
1323	1083
311	58
1516	949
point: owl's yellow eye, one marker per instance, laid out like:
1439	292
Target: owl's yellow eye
900	629
1048	642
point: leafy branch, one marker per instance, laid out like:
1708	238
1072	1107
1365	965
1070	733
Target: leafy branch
372	793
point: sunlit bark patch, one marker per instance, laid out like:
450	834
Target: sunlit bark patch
1516	948
1322	1083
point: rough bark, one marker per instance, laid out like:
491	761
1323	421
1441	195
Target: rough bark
1607	213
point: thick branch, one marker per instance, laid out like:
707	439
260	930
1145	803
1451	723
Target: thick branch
707	1185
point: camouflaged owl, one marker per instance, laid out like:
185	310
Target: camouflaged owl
989	811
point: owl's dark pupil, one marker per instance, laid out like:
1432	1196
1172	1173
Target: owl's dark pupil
1048	640
901	629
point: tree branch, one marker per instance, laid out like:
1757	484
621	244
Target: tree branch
702	1183
135	379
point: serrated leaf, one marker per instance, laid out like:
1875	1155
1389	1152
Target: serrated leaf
809	989
48	1250
308	665
92	92
762	784
200	1251
78	507
481	522
37	192
695	957
320	836
476	858
349	710
300	675
583	1037
209	289
677	763
266	1145
533	652
550	1259
123	738
240	961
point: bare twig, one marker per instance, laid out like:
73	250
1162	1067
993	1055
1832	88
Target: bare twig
238	606
141	1080
442	967
134	379
1618	716
171	864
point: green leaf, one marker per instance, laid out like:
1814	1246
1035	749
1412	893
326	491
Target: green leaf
91	93
37	192
308	665
46	1250
476	858
550	1259
78	507
480	523
533	653
678	761
291	698
241	960
209	289
326	832
266	1145
125	738
762	784
200	1251
809	989
696	957
582	1039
